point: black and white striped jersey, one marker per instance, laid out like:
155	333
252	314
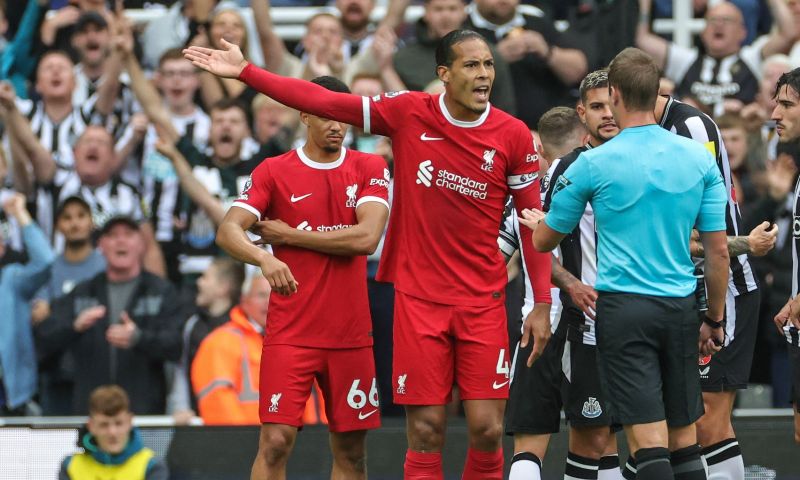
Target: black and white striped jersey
578	250
160	184
57	138
689	122
113	198
791	333
124	106
508	241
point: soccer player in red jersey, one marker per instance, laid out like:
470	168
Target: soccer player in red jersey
327	207
456	160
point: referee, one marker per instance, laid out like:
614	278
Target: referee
647	328
787	118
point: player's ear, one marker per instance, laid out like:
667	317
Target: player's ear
304	118
581	111
443	73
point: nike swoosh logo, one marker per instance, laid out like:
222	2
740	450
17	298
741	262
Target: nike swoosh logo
362	416
496	385
425	138
297	199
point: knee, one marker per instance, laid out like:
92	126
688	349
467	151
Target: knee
352	459
486	435
426	433
274	447
590	443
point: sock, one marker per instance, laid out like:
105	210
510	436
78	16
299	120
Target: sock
687	464
609	468
629	470
579	468
653	464
525	466
423	466
724	460
483	465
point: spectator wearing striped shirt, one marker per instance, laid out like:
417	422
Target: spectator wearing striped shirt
723	76
93	178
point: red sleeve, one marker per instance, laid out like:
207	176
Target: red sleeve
374	181
523	182
384	114
256	194
306	96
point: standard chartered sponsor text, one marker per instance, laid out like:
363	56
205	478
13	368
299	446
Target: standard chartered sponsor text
461	184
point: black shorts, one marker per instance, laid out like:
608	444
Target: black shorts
729	369
647	358
534	399
584	404
794	362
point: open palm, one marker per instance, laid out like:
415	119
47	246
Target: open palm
227	63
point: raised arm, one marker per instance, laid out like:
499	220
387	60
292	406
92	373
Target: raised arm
190	185
44	166
298	94
395	14
784	32
232	238
145	92
655	46
271	44
360	239
109	89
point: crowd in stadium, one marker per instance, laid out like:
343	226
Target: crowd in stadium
120	159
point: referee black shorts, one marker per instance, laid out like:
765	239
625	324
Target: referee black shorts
729	369
534	398
647	358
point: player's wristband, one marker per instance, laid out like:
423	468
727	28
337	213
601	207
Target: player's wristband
712	323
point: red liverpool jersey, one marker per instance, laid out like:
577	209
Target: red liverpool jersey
330	308
451	182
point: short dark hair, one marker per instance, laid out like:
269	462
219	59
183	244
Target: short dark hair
596	79
171	54
791	79
108	400
73	200
51	53
636	76
331	83
227	104
231	271
444	50
558	124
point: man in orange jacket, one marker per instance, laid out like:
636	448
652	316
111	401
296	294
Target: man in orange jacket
225	371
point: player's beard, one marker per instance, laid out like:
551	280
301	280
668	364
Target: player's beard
332	148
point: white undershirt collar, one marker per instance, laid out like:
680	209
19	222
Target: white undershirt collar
319	165
461	123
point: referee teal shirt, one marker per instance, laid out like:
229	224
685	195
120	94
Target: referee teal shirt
648	188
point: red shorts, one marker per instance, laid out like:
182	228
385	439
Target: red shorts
435	342
345	376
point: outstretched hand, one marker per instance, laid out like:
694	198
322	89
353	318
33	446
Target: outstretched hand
227	63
